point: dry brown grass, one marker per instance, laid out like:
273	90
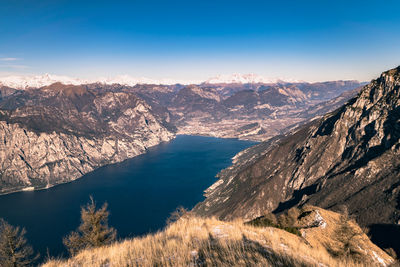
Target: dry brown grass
194	241
342	237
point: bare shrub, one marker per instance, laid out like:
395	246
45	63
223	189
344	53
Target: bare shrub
14	249
93	230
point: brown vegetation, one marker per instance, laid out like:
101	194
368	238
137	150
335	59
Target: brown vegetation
195	241
93	231
14	250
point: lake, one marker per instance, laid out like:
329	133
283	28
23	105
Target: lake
141	192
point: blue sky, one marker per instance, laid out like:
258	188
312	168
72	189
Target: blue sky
193	40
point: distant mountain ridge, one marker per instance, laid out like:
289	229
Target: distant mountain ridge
37	81
247	78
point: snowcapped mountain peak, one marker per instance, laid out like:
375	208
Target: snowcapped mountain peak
124	80
246	78
36	81
240	78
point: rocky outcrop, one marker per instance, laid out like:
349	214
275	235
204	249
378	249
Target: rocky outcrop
58	133
350	157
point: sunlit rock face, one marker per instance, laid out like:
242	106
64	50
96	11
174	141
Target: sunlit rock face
57	133
349	157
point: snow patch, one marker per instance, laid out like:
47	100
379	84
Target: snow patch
37	81
320	220
245	78
379	259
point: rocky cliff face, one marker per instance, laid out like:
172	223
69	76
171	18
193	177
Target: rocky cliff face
350	157
58	133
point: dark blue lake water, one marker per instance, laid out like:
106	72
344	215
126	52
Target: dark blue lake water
141	192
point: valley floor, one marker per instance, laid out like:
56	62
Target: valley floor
254	130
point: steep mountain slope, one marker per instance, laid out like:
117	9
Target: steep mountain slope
327	90
157	96
6	91
57	133
330	105
326	240
350	157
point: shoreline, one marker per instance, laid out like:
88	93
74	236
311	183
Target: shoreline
29	189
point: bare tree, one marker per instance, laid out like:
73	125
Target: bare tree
93	230
14	250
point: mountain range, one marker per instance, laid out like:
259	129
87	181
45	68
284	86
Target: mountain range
56	133
349	158
35	81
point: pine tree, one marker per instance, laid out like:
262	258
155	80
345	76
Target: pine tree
14	250
93	230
